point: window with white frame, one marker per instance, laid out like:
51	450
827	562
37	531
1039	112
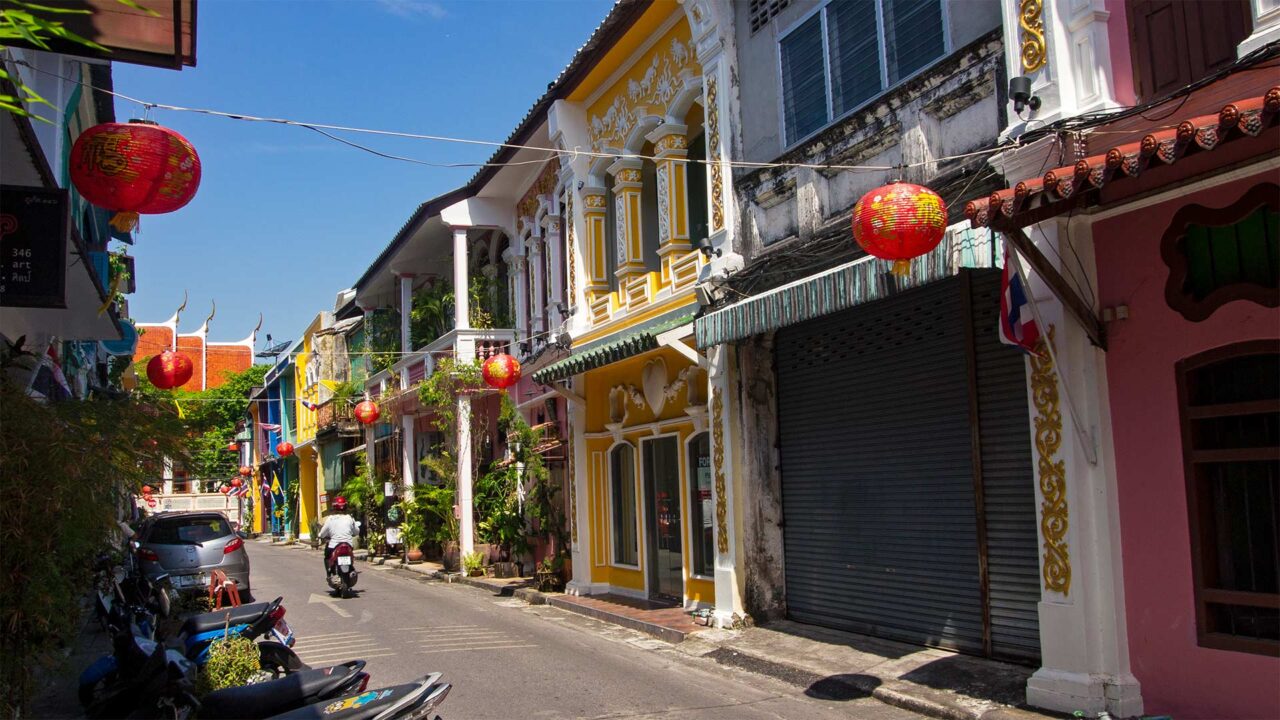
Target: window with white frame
851	51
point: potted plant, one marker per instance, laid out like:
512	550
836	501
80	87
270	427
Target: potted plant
473	564
548	574
315	533
413	532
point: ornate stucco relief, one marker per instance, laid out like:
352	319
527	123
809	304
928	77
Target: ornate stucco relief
717	464
713	155
1052	471
1032	34
657	86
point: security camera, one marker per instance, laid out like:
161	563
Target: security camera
1020	91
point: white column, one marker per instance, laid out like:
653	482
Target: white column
466	529
369	444
406	308
517	269
537	304
555	263
461	298
408	455
720	412
580	520
1083	630
167	474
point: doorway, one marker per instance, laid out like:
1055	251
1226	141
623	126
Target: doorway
665	566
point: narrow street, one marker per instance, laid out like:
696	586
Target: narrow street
509	659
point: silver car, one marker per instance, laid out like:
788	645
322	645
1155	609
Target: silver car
190	545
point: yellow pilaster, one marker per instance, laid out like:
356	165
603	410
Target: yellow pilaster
679	262
629	233
597	261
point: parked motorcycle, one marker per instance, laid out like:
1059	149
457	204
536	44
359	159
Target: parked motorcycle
137	668
342	574
410	701
252	621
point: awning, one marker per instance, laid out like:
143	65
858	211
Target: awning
634	341
352	451
861	281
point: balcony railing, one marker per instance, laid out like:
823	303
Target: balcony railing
419	365
337	416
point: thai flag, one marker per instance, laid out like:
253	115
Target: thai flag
1017	321
309	405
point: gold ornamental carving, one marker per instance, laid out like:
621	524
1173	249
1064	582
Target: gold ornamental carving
629	175
571	240
1052	471
717	462
1030	18
713	155
593	201
544	185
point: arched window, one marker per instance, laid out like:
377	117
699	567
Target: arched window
649	238
622	484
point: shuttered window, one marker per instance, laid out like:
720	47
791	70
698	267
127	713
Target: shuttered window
850	52
804	80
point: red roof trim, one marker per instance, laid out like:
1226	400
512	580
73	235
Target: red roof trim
1030	200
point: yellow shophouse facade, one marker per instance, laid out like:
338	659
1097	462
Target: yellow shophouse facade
648	451
306	398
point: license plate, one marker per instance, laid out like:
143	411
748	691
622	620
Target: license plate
284	632
344	560
190	580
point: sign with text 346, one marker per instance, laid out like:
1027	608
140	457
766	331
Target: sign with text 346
33	247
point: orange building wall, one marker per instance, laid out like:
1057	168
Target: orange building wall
224	359
154	340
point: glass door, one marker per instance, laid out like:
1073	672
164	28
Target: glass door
665	564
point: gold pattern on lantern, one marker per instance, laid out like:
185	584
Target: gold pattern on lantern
1033	49
717	462
1053	476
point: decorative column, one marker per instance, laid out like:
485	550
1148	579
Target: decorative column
406	335
579	501
671	146
629	230
720	410
1083	630
597	257
537	300
464	352
408	455
716	101
517	270
555	269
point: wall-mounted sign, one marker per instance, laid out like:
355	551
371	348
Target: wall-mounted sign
33	247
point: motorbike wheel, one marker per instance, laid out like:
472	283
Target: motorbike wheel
278	660
345	591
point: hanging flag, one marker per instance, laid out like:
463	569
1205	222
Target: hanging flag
269	427
309	405
1017	323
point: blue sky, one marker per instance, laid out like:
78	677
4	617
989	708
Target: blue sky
285	218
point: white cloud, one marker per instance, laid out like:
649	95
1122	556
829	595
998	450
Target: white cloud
411	8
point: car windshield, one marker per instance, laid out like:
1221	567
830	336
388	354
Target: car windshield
189	530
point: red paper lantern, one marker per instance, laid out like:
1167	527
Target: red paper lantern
501	371
245	470
132	168
224	489
284	449
146	490
233	446
367	412
898	222
236	482
169	370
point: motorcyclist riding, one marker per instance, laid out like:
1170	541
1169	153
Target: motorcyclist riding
338	528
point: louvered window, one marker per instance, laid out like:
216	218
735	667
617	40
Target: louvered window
622	477
850	52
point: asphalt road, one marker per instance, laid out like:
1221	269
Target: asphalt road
507	659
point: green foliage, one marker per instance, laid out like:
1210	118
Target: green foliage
432	313
473	563
438	395
364	496
413	529
347	391
210	417
502	519
233	660
546	514
68	470
382	338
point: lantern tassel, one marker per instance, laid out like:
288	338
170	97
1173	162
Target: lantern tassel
124	221
901	269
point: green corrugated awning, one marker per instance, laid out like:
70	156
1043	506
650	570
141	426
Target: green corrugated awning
861	281
630	342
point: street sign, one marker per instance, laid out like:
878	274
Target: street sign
33	247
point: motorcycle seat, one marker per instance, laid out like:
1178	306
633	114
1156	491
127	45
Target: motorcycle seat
216	620
360	706
265	699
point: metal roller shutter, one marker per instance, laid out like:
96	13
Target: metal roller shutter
1008	480
878	503
876	420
